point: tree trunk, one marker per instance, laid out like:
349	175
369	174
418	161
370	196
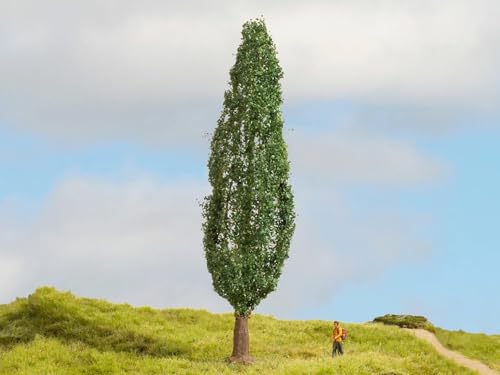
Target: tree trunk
241	341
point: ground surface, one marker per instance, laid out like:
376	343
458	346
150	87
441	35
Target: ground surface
57	333
485	348
472	364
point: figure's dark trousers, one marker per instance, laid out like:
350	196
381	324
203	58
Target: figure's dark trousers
337	349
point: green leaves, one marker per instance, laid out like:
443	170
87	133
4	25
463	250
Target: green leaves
249	216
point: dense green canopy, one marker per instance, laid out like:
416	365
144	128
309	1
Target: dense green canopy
249	216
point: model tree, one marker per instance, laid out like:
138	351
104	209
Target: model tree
249	215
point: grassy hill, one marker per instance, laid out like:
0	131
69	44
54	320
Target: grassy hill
485	348
51	332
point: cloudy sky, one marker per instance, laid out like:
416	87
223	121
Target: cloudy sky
392	117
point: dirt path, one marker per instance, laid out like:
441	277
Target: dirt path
457	357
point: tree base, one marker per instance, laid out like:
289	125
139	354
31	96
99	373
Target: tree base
243	360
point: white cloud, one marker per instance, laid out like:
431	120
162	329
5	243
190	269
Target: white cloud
139	239
336	247
349	158
155	71
10	275
336	244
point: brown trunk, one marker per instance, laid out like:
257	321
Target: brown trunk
241	341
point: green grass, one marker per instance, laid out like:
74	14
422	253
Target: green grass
57	333
406	321
485	348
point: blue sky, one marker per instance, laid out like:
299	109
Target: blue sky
458	282
393	129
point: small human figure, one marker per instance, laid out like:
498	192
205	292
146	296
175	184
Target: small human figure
337	339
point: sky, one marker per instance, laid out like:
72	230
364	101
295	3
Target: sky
392	120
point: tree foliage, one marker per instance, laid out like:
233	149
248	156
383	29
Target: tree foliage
249	215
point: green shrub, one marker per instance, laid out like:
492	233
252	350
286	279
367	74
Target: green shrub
406	321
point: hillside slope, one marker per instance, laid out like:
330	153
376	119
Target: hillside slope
457	357
57	333
485	348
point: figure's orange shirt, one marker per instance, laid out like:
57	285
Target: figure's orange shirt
337	334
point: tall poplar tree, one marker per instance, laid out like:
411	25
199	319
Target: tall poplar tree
249	215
